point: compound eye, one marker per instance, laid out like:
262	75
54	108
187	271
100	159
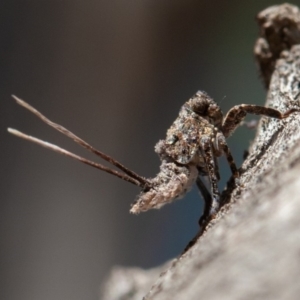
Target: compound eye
200	107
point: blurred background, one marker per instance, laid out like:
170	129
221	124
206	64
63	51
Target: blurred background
115	73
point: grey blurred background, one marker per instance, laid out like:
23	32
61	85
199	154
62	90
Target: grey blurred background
116	74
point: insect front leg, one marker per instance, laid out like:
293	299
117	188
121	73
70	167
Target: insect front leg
206	150
236	114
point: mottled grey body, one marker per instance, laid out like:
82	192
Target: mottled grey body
192	145
190	150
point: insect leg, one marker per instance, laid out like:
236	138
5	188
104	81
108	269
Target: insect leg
217	168
236	114
204	219
206	149
221	141
207	199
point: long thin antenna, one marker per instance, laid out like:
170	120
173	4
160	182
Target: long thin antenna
72	155
143	181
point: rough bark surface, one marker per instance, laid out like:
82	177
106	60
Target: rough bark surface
252	249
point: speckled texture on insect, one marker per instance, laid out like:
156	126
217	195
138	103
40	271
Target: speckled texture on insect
190	150
192	145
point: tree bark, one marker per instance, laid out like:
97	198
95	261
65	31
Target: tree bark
251	250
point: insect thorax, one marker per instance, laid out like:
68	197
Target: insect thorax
180	152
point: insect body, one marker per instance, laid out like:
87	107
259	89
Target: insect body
190	150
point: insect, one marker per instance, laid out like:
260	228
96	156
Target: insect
190	150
